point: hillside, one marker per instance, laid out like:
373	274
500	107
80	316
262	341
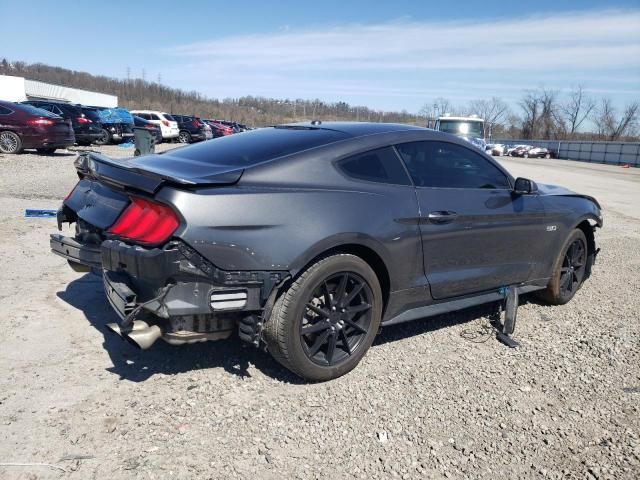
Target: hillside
257	111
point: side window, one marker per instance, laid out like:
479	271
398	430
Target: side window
57	110
153	116
381	166
4	111
448	165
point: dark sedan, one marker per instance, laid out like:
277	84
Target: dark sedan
24	126
307	238
84	128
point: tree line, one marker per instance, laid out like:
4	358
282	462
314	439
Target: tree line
256	111
550	115
540	113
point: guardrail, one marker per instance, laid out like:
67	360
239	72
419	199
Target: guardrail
613	153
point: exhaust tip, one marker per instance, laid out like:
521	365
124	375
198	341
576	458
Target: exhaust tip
145	337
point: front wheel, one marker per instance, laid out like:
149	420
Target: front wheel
569	270
324	323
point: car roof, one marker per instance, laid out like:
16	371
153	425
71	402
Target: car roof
354	129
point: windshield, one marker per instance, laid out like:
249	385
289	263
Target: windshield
462	128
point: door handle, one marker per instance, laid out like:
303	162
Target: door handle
442	216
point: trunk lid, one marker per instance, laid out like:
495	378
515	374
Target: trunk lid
150	172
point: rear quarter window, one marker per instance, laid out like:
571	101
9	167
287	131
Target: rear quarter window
5	111
380	166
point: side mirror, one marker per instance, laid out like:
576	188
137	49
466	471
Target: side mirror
524	186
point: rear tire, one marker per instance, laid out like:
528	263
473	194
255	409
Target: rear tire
324	323
10	142
569	270
547	155
184	137
104	139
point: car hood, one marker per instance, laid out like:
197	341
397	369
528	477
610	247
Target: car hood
558	191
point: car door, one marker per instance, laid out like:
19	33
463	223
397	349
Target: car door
477	235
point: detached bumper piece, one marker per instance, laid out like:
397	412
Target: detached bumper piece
81	256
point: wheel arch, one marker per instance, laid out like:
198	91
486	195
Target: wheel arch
372	256
588	228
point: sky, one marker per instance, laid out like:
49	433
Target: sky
391	55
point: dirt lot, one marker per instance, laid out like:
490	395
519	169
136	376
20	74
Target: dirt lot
424	403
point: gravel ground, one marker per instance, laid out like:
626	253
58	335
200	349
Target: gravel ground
424	403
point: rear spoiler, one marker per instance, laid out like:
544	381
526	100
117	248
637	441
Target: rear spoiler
120	174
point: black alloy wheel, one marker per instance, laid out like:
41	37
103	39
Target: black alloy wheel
336	319
323	323
573	268
569	271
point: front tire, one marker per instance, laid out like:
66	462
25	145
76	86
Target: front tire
10	142
324	323
569	271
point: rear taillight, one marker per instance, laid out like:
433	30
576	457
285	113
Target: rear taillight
150	126
165	123
83	120
40	122
145	221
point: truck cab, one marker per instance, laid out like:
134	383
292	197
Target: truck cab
470	128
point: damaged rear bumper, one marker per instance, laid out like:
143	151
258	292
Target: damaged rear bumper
172	292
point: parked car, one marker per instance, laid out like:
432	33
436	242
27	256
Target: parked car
306	238
513	148
218	129
533	152
166	122
152	127
520	150
192	129
25	126
85	130
117	124
496	149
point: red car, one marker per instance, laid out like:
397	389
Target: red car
24	126
218	129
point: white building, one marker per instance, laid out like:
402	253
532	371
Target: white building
19	89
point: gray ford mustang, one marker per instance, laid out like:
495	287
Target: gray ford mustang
306	238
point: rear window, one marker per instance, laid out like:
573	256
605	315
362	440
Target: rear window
256	146
168	117
31	110
91	114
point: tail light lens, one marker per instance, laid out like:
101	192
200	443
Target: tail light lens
165	123
146	222
83	120
150	126
34	122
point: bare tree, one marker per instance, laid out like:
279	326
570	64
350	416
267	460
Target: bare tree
576	109
541	118
612	126
494	112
